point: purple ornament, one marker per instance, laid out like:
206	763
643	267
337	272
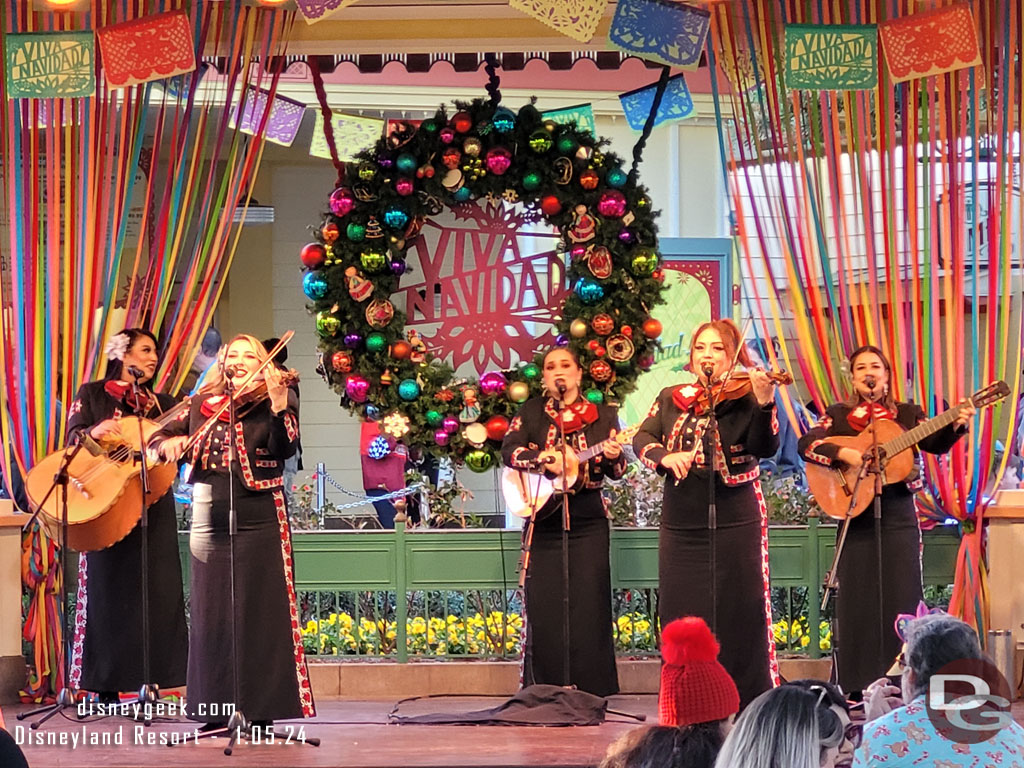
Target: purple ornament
612	204
493	383
342	201
626	236
441	437
384	161
561	340
397	267
447	135
450	424
353	340
356	388
498	160
404	186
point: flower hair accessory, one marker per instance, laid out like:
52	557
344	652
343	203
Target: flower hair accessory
117	346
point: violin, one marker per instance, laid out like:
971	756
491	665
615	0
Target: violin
738	386
257	392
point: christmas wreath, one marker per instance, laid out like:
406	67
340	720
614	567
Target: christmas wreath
487	151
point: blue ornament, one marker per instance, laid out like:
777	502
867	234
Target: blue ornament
372	412
378	448
561	340
462	195
395	217
406	162
616	177
504	120
589	290
408	389
314	285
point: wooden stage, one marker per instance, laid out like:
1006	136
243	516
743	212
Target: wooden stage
353	734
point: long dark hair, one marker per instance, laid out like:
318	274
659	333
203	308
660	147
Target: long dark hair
114	367
887	398
665	746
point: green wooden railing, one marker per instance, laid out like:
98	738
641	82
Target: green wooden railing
448	576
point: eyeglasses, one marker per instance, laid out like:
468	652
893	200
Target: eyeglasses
854	734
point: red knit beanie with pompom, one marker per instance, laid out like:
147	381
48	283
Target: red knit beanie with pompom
695	688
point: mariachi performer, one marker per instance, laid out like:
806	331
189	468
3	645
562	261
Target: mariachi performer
273	679
860	657
530	446
106	655
671	442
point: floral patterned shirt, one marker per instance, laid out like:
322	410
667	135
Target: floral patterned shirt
906	737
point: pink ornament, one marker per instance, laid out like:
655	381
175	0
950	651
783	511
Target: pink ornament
342	201
441	437
450	424
498	160
612	204
493	383
356	387
646	362
404	186
447	135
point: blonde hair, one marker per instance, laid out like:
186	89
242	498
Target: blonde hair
215	382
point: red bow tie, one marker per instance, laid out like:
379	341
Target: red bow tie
860	416
123	391
578	415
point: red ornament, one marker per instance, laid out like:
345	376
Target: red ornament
462	122
600	351
593	344
400	350
313	255
550	205
341	362
627	331
589	179
451	158
659	275
330	231
496	426
652	328
603	324
601	370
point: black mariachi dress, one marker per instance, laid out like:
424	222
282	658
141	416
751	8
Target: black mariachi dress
273	679
747	431
591	648
858	622
106	654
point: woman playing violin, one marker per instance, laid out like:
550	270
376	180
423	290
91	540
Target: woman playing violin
858	618
671	442
107	651
530	445
273	679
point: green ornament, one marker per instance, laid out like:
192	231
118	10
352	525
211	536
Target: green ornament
567	144
540	141
479	461
531	181
327	324
434	418
596	396
375	342
408	389
531	371
430	126
367	171
372	261
645	261
355	232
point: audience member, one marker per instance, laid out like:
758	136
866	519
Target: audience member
907	736
852	732
664	746
786	727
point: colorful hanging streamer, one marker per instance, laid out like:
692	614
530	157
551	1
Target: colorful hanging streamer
857	216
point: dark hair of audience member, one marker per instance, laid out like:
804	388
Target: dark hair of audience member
665	746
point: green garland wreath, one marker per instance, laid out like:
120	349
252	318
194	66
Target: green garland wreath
483	150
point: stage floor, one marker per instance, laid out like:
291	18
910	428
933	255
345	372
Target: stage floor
353	734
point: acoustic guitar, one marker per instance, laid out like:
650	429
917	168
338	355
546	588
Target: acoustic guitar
834	487
526	492
105	487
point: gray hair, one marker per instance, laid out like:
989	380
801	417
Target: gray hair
935	641
782	728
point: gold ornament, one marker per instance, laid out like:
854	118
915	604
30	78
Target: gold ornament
563	167
518	391
578	329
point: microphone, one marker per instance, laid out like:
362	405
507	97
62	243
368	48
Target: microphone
560	386
231	371
869	382
137	372
708	370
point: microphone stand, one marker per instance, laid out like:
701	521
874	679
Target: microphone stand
65	698
876	467
566	636
149	692
709	455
